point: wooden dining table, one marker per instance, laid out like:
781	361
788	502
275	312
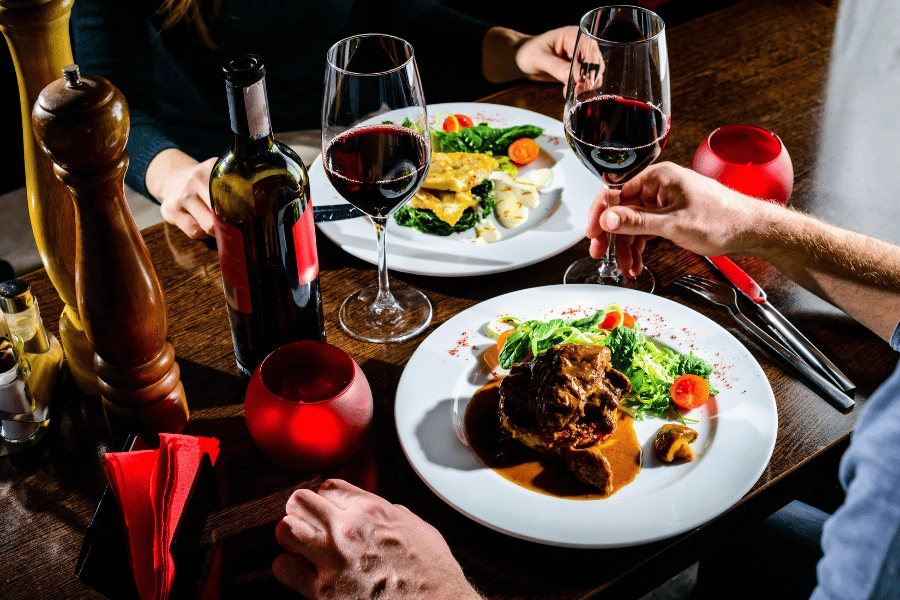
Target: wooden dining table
763	62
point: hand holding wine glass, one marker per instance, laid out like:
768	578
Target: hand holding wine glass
617	113
376	154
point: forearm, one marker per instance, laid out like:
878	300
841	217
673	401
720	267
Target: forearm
498	54
858	274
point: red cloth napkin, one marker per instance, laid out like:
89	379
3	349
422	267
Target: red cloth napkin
152	488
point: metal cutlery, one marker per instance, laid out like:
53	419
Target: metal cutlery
335	212
784	329
723	295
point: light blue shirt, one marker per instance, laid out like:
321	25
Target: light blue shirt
861	541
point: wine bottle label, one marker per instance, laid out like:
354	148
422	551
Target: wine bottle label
304	232
233	263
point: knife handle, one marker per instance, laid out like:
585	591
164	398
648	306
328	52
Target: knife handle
824	386
806	349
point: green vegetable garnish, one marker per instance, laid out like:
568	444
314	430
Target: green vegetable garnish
650	366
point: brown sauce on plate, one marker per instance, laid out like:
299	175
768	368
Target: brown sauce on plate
535	471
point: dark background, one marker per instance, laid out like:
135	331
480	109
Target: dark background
521	19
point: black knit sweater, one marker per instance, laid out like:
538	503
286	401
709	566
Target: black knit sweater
175	88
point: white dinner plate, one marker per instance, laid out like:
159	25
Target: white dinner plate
737	428
554	226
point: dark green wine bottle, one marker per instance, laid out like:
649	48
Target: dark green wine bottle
264	227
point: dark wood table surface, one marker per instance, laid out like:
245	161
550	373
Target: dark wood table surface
763	62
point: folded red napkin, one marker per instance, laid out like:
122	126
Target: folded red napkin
152	488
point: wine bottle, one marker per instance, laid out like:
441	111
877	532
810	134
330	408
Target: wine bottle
264	227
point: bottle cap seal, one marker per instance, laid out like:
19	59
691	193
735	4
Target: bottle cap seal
15	296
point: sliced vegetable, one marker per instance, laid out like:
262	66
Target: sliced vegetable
502	340
689	391
523	151
627	320
451	124
464	121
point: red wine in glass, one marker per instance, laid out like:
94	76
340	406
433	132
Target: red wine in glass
617	115
616	137
377	168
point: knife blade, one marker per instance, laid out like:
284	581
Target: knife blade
797	342
335	212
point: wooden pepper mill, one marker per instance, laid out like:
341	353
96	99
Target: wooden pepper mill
82	123
37	32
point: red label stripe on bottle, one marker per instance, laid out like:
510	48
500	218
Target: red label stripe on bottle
233	263
304	232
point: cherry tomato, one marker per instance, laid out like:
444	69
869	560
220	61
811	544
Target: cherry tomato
451	124
464	121
627	320
523	151
689	391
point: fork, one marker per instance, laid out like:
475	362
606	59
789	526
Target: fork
723	295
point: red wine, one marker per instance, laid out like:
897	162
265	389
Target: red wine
616	137
265	234
377	168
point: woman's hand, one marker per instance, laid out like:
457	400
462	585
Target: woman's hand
693	211
509	54
344	542
181	186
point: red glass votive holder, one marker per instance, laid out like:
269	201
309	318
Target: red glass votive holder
308	406
748	159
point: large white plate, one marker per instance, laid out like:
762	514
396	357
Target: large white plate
556	225
736	429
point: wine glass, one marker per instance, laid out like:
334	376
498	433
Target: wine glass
617	114
749	159
376	151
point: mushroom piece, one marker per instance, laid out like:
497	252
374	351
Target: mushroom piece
673	441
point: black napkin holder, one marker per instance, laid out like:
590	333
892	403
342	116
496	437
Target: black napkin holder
103	563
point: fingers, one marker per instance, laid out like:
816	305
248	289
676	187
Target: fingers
599	205
297	573
202	215
184	220
313	508
298	536
343	494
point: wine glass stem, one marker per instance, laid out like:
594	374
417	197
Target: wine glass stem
384	300
608	268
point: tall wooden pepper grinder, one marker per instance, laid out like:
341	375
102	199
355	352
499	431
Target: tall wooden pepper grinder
37	32
82	123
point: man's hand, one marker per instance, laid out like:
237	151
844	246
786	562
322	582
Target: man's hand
181	185
509	54
693	211
344	542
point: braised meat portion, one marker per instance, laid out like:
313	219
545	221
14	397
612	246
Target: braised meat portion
564	401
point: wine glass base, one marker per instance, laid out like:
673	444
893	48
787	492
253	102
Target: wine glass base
587	270
364	320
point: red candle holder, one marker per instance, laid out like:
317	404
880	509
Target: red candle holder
748	159
308	406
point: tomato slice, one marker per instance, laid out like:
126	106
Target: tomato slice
614	319
451	124
689	391
464	121
523	151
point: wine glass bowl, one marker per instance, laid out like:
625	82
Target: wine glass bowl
308	406
617	114
749	159
376	153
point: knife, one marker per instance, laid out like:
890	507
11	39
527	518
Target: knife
797	342
335	212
